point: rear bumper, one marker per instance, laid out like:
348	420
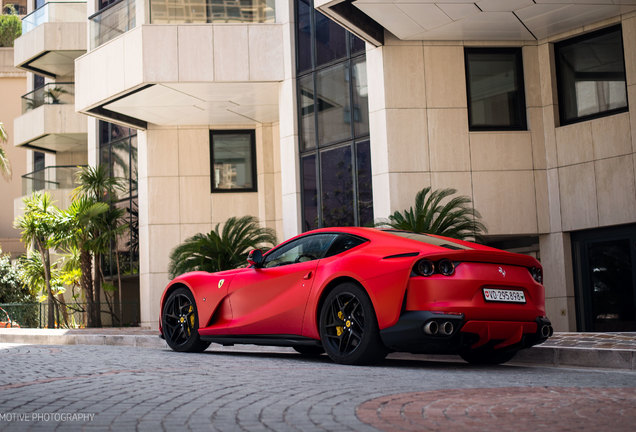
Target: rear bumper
410	333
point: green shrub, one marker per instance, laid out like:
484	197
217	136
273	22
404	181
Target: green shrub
10	29
16	298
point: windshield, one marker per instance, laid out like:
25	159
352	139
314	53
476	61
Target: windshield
425	238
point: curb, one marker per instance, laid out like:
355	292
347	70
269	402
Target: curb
604	358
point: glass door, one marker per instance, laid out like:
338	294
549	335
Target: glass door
605	278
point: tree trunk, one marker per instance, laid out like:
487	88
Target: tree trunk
121	310
97	284
86	282
62	302
46	263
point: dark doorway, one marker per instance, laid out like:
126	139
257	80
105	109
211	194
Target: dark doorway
605	278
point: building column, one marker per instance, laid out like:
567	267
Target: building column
556	259
288	128
398	125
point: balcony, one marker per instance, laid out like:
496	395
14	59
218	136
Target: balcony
53	36
49	121
52	178
50	94
184	74
112	21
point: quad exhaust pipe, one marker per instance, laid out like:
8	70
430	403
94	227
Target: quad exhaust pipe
433	328
547	331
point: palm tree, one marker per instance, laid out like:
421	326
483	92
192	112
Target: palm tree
78	227
5	165
456	218
38	225
97	184
220	249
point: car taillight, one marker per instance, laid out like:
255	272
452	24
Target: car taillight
537	274
425	267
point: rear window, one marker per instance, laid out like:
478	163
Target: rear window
425	238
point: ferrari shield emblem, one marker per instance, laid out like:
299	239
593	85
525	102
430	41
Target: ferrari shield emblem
221	283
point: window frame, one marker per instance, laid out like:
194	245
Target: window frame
560	84
520	82
252	134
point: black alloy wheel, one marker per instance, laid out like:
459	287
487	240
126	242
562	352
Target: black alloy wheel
348	327
180	322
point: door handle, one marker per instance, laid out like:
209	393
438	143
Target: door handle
308	275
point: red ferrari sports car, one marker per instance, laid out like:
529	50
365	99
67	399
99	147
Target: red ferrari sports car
360	293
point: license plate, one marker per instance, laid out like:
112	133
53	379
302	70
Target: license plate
506	296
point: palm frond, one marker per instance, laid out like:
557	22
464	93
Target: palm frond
439	212
223	248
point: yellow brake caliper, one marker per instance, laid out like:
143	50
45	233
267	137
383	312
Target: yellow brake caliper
339	329
191	318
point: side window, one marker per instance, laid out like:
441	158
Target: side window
307	248
343	243
494	85
591	75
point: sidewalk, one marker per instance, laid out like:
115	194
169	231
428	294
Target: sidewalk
597	350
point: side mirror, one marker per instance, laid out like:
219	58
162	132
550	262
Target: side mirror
255	258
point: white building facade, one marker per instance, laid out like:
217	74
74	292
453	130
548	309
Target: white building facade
270	108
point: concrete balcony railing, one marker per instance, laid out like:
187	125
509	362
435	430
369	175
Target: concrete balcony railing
49	179
184	74
54	127
53	36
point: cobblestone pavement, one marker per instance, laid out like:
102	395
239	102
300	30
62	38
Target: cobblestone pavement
121	388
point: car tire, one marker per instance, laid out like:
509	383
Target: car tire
180	322
488	356
349	328
309	350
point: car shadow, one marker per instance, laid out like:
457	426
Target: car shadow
395	360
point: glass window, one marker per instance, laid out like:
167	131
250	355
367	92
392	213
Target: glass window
303	43
331	40
333	122
343	243
307	248
360	96
494	83
591	75
425	238
310	193
233	156
307	112
334	109
365	190
337	187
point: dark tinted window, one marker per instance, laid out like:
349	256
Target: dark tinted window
307	248
494	81
591	75
425	238
344	242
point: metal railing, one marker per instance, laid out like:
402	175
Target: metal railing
49	178
51	94
54	12
212	11
70	315
112	21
